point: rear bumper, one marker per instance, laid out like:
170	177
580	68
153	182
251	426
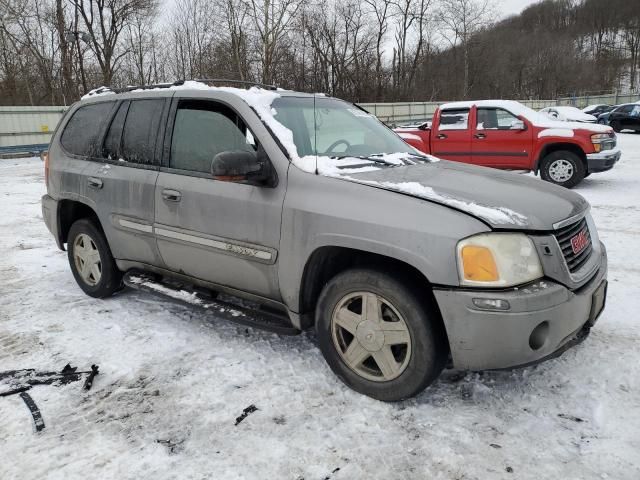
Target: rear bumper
603	161
544	320
50	216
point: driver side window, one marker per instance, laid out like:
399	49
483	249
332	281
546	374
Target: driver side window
495	119
204	129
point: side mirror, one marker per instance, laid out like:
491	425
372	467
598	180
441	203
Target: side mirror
518	125
248	167
425	126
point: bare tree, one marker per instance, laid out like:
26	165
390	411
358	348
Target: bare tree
462	19
105	21
271	20
381	10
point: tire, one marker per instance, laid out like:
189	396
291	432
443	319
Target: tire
563	168
616	126
419	348
102	277
601	121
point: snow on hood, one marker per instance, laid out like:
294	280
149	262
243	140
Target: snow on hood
502	199
495	215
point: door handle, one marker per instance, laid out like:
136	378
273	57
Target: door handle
171	195
480	135
94	182
441	136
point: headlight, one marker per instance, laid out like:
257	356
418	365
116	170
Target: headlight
598	139
498	260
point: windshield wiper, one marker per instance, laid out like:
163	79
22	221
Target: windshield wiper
375	159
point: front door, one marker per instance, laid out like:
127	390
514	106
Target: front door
451	137
225	232
499	142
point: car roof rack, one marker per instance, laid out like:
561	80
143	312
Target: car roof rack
208	81
211	81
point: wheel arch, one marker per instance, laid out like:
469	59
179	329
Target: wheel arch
70	211
560	146
325	262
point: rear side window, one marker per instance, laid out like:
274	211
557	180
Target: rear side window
81	135
454	119
112	148
140	131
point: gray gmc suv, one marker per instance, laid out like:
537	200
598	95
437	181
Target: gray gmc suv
289	210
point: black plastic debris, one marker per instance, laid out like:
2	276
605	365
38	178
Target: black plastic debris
172	446
570	417
245	413
19	381
35	411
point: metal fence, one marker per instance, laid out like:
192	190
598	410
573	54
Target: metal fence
27	128
607	99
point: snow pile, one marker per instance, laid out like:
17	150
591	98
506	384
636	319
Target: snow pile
492	214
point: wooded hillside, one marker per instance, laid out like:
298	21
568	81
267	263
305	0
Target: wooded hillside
53	51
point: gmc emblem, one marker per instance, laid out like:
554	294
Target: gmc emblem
579	242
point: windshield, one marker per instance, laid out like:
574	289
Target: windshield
338	129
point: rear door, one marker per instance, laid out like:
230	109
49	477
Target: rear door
122	180
225	232
496	143
451	135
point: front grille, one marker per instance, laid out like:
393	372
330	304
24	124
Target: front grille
564	235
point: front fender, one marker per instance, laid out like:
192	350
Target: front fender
322	211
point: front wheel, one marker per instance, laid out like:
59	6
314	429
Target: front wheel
563	168
616	126
91	261
378	336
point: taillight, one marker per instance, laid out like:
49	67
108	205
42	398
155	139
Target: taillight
45	158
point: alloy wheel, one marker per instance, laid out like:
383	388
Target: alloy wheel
371	336
561	171
87	259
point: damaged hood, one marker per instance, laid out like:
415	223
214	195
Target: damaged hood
501	199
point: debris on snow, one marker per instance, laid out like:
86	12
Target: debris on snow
245	413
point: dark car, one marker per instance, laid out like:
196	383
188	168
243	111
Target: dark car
596	110
624	117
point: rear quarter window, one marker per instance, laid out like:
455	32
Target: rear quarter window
81	135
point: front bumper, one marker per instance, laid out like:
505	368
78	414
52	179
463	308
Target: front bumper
483	340
603	161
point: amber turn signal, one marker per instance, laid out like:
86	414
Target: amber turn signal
478	264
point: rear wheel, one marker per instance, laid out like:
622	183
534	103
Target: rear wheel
563	168
91	261
378	336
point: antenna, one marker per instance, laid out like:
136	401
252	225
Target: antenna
315	134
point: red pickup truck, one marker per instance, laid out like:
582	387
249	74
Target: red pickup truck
508	135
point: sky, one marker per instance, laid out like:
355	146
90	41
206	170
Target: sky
512	7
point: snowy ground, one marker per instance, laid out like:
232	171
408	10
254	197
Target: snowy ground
171	374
